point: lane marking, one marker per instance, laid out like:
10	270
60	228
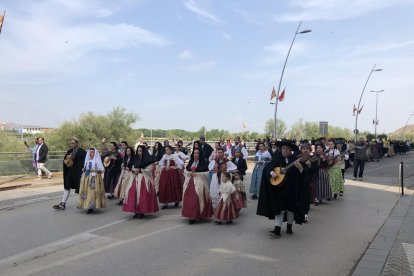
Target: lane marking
98	250
259	258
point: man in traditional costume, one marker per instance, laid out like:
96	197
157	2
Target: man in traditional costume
286	197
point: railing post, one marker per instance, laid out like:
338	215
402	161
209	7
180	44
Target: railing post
402	177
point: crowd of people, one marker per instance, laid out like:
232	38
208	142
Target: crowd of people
288	177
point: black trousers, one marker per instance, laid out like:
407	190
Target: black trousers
359	164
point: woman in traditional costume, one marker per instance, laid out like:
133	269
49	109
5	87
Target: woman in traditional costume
335	175
157	154
196	196
141	197
323	188
261	158
226	210
126	174
218	166
171	185
92	192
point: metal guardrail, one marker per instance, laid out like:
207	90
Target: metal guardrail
12	156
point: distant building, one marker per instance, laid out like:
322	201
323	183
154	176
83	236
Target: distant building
25	129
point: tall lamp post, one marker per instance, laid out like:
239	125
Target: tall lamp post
281	76
360	98
376	109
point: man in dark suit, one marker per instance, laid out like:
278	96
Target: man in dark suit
40	158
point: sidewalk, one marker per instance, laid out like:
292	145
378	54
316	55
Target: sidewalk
392	250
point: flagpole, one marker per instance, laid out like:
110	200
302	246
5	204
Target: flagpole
2	22
356	131
281	76
376	110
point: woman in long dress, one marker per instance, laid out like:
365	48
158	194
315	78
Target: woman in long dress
157	154
196	196
112	162
261	158
335	175
171	185
323	188
218	166
141	197
92	192
126	174
226	210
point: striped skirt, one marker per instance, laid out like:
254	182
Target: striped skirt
323	188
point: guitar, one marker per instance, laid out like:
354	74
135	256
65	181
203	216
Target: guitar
281	172
69	161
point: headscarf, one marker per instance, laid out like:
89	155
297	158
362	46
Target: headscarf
201	166
125	162
144	160
95	163
157	155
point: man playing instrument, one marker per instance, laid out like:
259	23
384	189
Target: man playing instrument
287	197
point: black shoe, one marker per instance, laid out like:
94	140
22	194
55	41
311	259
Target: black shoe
335	196
316	203
176	204
164	207
90	211
229	222
289	229
121	202
341	193
219	222
60	206
191	221
135	216
141	216
254	197
276	232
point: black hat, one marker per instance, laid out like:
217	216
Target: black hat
288	143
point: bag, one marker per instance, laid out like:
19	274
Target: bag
360	153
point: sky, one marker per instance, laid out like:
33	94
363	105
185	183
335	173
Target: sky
184	64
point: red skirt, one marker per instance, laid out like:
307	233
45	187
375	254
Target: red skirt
147	202
238	201
226	210
171	186
191	204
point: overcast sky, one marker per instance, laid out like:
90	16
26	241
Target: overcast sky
192	63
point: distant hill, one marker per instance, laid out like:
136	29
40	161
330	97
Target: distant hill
408	131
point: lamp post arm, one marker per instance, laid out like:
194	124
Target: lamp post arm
280	80
359	103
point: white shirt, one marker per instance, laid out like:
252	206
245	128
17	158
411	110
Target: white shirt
37	151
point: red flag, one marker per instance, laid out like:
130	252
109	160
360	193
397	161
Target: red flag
2	20
273	93
282	95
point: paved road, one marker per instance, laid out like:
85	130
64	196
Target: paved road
37	240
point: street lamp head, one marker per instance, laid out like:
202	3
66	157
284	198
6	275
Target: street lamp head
304	31
377	70
382	90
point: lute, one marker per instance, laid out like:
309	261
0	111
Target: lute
281	172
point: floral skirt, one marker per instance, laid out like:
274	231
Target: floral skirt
335	179
92	192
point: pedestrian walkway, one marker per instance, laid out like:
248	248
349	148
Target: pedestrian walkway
392	250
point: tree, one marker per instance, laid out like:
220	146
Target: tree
91	128
281	128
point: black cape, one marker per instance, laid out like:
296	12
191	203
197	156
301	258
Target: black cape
287	196
72	175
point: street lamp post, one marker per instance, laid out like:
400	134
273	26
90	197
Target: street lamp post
376	109
281	76
360	98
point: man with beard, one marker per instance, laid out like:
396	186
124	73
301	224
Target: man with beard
287	197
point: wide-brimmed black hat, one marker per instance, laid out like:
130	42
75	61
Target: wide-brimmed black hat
288	143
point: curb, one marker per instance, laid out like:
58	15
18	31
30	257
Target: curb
374	258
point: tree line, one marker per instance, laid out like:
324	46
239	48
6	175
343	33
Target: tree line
90	128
